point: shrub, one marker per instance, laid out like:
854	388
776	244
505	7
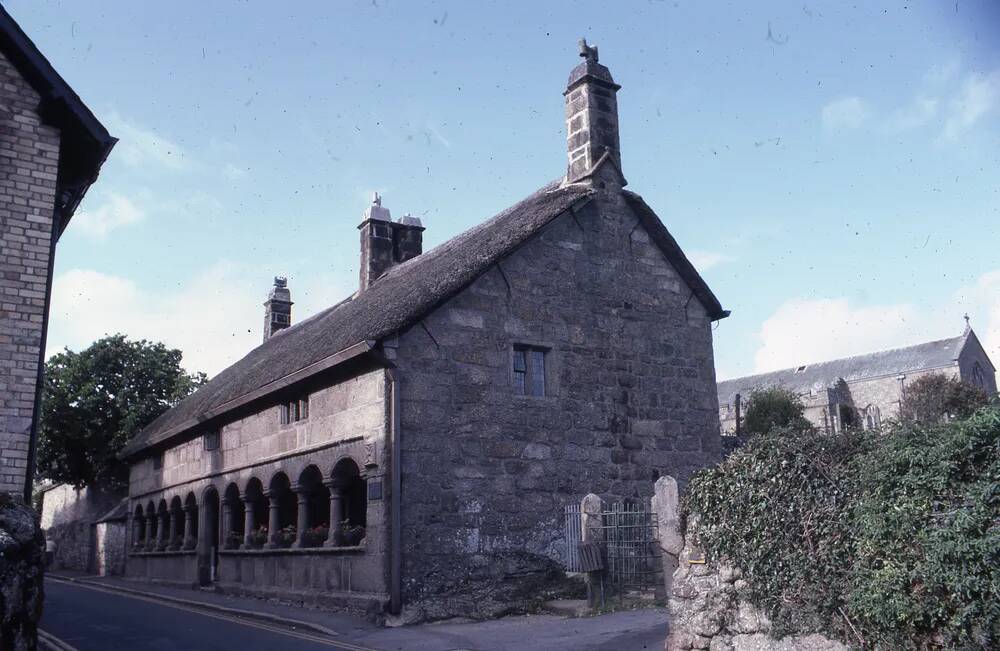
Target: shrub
898	534
935	398
771	408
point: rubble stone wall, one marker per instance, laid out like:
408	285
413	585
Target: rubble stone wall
630	395
21	572
706	604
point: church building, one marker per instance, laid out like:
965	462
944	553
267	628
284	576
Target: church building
424	435
864	390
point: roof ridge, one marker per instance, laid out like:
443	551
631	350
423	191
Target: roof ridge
843	359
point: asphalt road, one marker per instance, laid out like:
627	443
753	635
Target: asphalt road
91	620
97	620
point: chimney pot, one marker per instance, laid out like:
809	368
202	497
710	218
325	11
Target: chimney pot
386	243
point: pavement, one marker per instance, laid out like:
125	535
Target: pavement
88	613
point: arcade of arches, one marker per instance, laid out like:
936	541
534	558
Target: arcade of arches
316	511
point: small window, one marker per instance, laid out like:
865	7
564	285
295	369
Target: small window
528	370
279	318
158	462
294	411
211	440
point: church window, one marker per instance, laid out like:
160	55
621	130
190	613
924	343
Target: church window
211	440
528	371
978	377
158	461
873	419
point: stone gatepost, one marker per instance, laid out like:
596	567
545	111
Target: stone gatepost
666	505
592	531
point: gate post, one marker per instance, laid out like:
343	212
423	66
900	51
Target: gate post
592	532
665	505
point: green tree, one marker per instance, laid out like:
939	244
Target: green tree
937	398
771	408
94	401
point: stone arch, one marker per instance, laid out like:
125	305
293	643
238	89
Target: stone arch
152	525
190	521
208	534
313	507
176	512
138	527
162	525
283	511
256	503
233	517
347	480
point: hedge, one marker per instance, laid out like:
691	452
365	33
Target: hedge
892	538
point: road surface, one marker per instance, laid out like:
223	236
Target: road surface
84	618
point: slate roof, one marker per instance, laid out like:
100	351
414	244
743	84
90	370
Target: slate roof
933	354
118	513
399	299
85	142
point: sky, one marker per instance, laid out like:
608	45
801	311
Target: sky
832	169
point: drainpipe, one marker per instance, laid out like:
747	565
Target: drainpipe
395	542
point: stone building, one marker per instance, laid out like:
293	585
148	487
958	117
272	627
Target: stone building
862	390
68	518
440	418
51	149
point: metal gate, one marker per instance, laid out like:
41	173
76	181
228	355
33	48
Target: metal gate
633	559
630	545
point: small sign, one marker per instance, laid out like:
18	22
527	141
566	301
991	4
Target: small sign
375	489
696	556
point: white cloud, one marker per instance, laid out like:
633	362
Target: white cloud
943	72
705	260
233	173
920	112
979	96
984	300
116	211
215	318
845	113
138	146
802	331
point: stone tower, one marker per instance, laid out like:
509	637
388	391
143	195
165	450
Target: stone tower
277	308
591	116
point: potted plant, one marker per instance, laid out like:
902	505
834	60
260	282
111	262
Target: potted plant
350	535
286	535
316	536
258	537
233	540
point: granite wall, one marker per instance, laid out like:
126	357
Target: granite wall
630	395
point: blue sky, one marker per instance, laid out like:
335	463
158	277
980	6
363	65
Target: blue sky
833	170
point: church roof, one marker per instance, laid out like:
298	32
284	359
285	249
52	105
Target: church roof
933	354
399	299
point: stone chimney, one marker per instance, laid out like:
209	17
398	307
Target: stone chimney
277	308
386	243
591	116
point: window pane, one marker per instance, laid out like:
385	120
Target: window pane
537	373
304	409
519	383
284	414
519	362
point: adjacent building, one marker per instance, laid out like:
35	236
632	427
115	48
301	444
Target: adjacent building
424	435
861	391
51	150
